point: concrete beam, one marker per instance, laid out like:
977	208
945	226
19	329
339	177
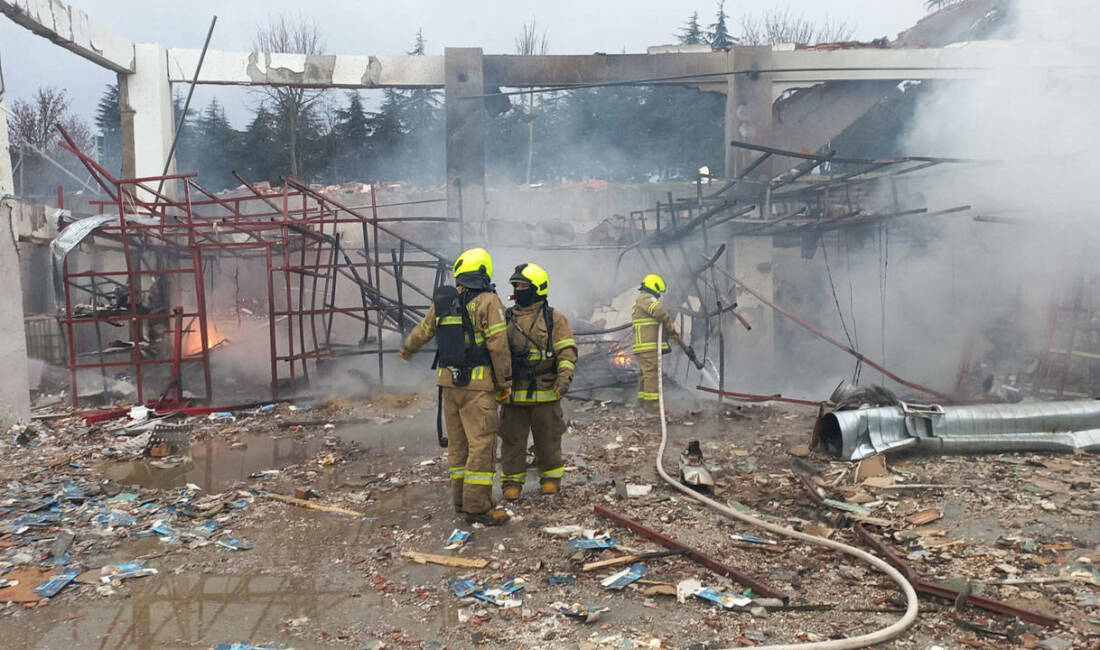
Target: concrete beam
560	70
15	394
145	100
465	135
976	59
306	70
788	66
73	30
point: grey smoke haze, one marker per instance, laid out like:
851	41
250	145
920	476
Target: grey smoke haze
949	278
357	27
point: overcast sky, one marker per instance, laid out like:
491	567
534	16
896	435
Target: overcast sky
370	27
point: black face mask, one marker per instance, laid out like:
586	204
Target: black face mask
526	297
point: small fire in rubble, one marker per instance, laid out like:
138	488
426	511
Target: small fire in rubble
192	340
620	357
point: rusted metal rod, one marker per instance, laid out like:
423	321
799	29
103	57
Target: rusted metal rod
829	339
757	585
750	397
931	589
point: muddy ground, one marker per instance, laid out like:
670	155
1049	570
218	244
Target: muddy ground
1021	528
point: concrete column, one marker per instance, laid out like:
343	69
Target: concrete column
15	397
748	108
464	76
145	100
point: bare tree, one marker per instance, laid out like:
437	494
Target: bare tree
35	122
529	43
290	103
781	26
32	130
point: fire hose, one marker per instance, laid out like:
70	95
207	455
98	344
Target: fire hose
862	641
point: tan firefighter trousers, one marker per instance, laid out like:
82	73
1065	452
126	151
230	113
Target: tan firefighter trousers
546	424
472	423
647	378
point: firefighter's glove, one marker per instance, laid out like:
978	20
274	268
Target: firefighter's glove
404	354
561	388
503	394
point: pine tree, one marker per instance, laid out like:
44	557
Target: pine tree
259	150
422	122
691	33
351	140
719	35
108	119
216	147
386	134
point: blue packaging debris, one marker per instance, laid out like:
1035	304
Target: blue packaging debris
464	587
48	518
264	473
586	613
244	645
234	544
221	417
55	584
623	578
500	595
124	571
205	529
729	601
606	541
752	539
458	539
115	518
265	408
70	492
238	504
561	580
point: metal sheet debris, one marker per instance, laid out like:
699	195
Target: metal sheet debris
1062	427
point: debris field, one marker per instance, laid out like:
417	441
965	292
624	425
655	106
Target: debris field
350	541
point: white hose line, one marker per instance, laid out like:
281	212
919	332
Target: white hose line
878	636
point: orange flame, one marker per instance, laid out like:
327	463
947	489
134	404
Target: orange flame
622	359
192	339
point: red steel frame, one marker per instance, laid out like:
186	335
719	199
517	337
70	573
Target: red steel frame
295	231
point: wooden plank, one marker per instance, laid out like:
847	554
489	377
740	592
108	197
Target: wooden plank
446	560
312	506
615	561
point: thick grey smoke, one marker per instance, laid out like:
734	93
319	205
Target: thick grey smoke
937	284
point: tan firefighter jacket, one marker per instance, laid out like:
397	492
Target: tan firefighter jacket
648	313
487	316
546	364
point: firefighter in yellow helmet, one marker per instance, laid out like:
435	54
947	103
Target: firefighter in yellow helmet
544	355
648	315
468	324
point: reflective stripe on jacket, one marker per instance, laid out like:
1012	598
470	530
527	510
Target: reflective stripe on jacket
647	314
487	315
553	363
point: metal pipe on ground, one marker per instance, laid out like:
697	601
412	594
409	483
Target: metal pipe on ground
1060	427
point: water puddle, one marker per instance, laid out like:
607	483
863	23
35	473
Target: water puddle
214	464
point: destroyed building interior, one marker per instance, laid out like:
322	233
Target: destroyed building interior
876	425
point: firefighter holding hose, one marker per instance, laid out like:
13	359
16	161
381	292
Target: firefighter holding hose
544	356
468	324
649	314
